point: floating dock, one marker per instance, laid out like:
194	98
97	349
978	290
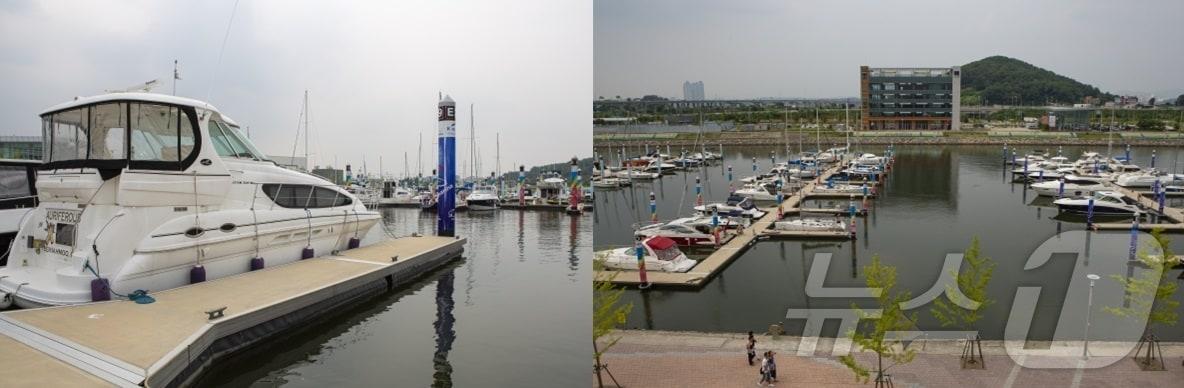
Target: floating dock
171	341
840	211
714	263
1174	215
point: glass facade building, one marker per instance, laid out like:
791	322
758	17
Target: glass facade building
910	98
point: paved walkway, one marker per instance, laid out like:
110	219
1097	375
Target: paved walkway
677	359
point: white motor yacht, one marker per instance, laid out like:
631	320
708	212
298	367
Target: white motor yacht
735	206
145	191
1104	203
394	195
1148	178
1073	186
483	197
764	191
660	254
682	231
831	188
810	224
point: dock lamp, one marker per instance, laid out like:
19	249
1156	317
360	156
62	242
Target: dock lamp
1089	313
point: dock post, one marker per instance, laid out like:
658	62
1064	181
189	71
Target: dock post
640	250
522	185
1152	158
573	203
653	207
698	192
1089	213
1128	153
446	203
1061	189
715	225
1162	198
1004	153
754	165
780	211
773	157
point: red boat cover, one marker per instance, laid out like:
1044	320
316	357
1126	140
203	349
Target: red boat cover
659	243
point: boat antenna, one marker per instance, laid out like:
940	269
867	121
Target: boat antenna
222	50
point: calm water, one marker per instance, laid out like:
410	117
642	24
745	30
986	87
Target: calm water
936	199
519	317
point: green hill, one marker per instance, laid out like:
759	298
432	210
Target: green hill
1003	80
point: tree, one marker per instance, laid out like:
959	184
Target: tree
1180	100
1150	292
607	314
1148	124
873	330
970	282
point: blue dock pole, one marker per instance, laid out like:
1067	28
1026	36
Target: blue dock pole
1089	213
446	180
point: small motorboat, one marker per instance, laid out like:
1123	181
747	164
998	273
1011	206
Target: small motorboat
483	198
659	253
735	206
1074	186
1104	202
810	224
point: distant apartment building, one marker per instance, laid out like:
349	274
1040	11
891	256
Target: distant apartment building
21	147
692	91
910	98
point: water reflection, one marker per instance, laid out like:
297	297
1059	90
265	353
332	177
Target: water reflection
442	378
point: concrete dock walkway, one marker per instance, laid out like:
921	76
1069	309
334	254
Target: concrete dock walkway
171	341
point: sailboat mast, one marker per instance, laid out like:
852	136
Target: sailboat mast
306	129
472	143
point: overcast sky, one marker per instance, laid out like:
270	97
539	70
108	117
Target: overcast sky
778	48
372	70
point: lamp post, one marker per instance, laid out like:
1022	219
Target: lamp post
1089	313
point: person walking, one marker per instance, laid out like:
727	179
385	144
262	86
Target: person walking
765	377
772	366
751	348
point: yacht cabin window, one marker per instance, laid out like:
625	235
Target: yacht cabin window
305	196
229	141
112	135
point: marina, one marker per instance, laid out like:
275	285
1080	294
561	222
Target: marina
931	195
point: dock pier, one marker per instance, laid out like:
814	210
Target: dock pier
171	341
759	230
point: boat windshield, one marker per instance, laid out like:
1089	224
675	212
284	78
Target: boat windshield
667	254
230	142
